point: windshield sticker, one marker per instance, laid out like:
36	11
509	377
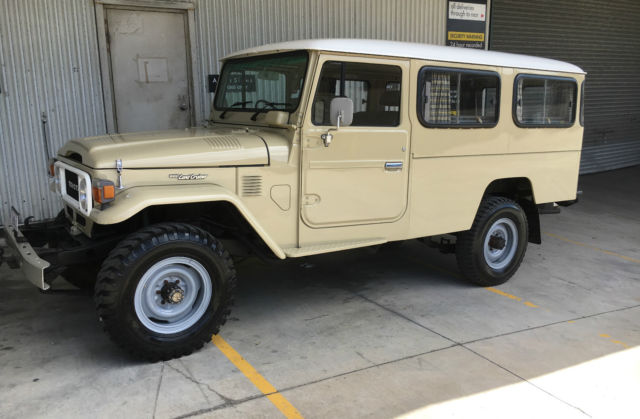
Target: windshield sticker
235	83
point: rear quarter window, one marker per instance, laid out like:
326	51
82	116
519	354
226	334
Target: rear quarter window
544	102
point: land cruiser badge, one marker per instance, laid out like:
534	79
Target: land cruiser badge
190	176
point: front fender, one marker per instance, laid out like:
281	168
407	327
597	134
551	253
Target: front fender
133	200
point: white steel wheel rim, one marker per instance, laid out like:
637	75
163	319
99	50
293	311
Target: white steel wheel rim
498	258
192	285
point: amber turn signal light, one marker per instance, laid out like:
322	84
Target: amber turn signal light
52	167
103	191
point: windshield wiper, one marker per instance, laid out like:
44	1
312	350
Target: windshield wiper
268	106
232	106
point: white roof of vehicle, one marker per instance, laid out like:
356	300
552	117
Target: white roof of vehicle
421	51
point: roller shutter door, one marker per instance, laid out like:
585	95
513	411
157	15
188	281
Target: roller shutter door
603	38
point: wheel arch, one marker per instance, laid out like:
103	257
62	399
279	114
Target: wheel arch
519	189
139	202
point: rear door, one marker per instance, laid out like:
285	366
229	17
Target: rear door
362	176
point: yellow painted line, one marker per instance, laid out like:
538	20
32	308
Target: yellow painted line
606	252
258	380
617	342
620	343
455	275
504	294
511	297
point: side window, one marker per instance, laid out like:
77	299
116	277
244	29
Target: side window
358	91
544	101
373	88
582	104
458	98
392	86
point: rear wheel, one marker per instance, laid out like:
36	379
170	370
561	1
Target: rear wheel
164	291
492	250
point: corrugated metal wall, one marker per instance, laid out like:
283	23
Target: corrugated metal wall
225	26
49	64
602	38
48	70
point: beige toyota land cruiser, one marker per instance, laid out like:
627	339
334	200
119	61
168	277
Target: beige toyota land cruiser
312	147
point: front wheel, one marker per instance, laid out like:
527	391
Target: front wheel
165	290
491	251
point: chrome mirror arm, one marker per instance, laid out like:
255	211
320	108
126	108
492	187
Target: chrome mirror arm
328	137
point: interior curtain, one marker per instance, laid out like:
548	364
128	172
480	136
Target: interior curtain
440	98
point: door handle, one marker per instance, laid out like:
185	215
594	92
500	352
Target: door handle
392	166
183	102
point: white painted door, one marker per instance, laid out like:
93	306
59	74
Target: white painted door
149	69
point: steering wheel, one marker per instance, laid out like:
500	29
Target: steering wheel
266	103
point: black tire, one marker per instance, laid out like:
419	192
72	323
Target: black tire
474	249
81	276
129	263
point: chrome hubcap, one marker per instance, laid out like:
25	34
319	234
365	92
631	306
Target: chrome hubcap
172	295
501	243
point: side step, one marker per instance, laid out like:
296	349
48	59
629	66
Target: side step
296	252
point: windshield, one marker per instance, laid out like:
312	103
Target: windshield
263	82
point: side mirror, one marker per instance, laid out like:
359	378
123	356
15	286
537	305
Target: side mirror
212	82
341	111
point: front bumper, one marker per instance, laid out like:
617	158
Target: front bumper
31	265
45	249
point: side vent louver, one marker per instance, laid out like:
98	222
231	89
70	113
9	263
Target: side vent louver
223	142
251	185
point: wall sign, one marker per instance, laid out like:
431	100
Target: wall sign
466	23
153	70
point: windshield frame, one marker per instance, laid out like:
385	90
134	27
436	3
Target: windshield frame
258	57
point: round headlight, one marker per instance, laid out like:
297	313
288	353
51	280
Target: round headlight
56	179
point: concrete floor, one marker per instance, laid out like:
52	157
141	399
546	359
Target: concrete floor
372	332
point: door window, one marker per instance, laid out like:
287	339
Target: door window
373	88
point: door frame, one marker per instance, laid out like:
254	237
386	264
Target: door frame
106	72
311	142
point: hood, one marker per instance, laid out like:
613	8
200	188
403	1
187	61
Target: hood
191	147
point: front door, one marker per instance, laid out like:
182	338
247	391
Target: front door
149	69
362	176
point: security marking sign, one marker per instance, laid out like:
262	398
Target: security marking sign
465	36
466	23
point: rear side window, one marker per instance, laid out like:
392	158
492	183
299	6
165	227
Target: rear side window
582	104
544	101
458	98
373	88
